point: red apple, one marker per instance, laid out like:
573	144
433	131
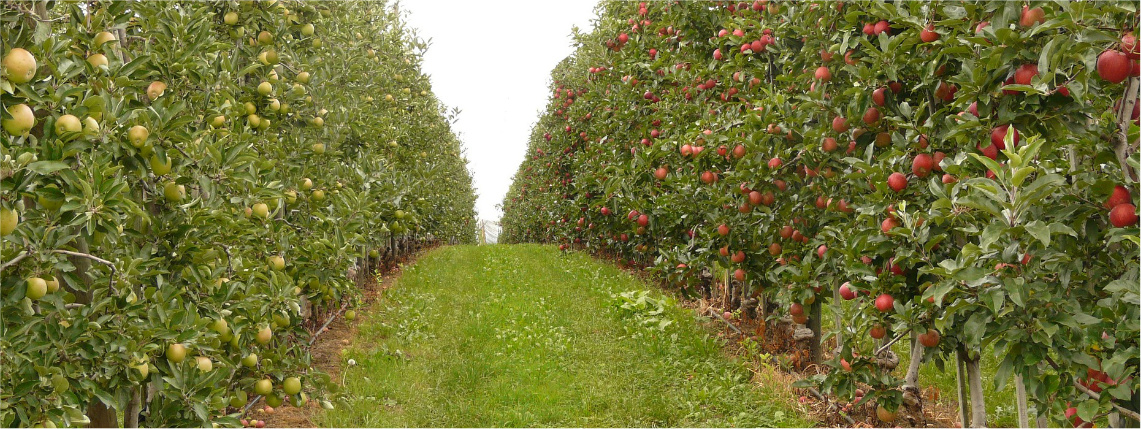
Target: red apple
1123	215
1025	73
820	251
922	165
796	309
928	34
871	116
1120	196
1032	16
878	96
888	224
990	151
1113	66
846	291
823	74
878	332
839	124
998	136
897	181
930	338
882	27
884	303
829	144
1130	46
738	257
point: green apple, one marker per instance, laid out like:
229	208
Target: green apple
264	335
137	135
263	387
239	399
53	284
204	364
160	167
90	127
142	366
176	353
19	66
250	360
174	192
291	386
98	60
155	90
21	122
9	219
37	288
262	210
68	127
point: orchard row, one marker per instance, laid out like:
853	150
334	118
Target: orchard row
960	174
189	190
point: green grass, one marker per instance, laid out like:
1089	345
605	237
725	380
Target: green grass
523	335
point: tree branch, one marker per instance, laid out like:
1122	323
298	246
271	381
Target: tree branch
18	258
890	343
111	283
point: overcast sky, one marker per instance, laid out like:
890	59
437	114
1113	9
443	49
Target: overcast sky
493	60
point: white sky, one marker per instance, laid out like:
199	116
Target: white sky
492	59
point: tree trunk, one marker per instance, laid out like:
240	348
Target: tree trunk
134	407
911	380
978	401
815	353
101	415
912	397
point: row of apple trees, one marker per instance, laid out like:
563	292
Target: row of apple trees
186	186
961	176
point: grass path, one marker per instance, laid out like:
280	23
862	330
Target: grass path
523	335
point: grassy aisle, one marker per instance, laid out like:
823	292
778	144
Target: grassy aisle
525	336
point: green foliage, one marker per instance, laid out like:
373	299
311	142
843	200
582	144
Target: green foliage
620	114
175	214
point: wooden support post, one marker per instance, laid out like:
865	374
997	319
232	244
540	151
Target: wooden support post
815	352
961	384
1023	412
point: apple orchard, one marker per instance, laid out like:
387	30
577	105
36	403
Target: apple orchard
188	191
954	179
